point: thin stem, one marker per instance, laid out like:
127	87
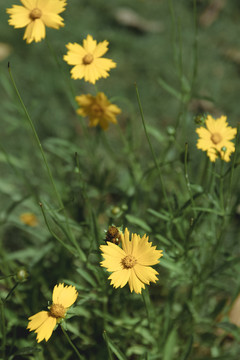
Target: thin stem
3	326
36	138
71	343
42	153
153	153
187	178
195	45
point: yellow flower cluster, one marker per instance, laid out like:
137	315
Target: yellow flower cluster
87	60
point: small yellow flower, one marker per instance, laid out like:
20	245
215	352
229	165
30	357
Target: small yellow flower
215	139
29	219
44	322
132	263
35	15
98	109
88	60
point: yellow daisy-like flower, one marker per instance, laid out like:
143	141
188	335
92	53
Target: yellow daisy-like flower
29	219
88	60
35	15
98	109
215	139
132	263
44	322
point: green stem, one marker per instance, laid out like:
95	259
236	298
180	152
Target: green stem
187	178
149	308
71	343
3	326
42	153
153	153
105	336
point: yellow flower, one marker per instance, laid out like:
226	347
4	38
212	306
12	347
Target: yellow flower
215	139
88	60
44	322
35	15
132	263
98	109
29	219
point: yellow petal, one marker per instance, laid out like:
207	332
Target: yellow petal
101	49
53	21
145	273
19	16
52	6
29	4
120	278
135	284
89	44
35	31
150	257
46	329
37	320
75	54
64	295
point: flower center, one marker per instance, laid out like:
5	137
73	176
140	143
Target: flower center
129	261
57	311
97	110
35	14
216	138
88	59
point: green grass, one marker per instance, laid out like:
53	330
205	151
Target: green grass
116	177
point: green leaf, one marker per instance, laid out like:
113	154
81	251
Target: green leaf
168	353
136	221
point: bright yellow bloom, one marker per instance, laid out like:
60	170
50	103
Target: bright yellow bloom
215	139
98	109
132	263
44	322
88	60
35	15
29	219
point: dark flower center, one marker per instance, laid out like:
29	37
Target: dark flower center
57	311
87	59
216	138
129	261
97	110
35	14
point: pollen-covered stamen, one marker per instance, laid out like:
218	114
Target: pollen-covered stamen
57	311
216	138
129	261
35	14
87	59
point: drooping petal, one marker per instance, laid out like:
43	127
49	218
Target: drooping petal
37	320
35	31
45	330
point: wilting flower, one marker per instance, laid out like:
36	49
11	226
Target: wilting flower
44	322
29	219
98	109
35	15
88	60
215	139
131	263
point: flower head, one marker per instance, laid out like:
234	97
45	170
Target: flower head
98	108
35	15
88	60
215	139
131	263
29	219
44	322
